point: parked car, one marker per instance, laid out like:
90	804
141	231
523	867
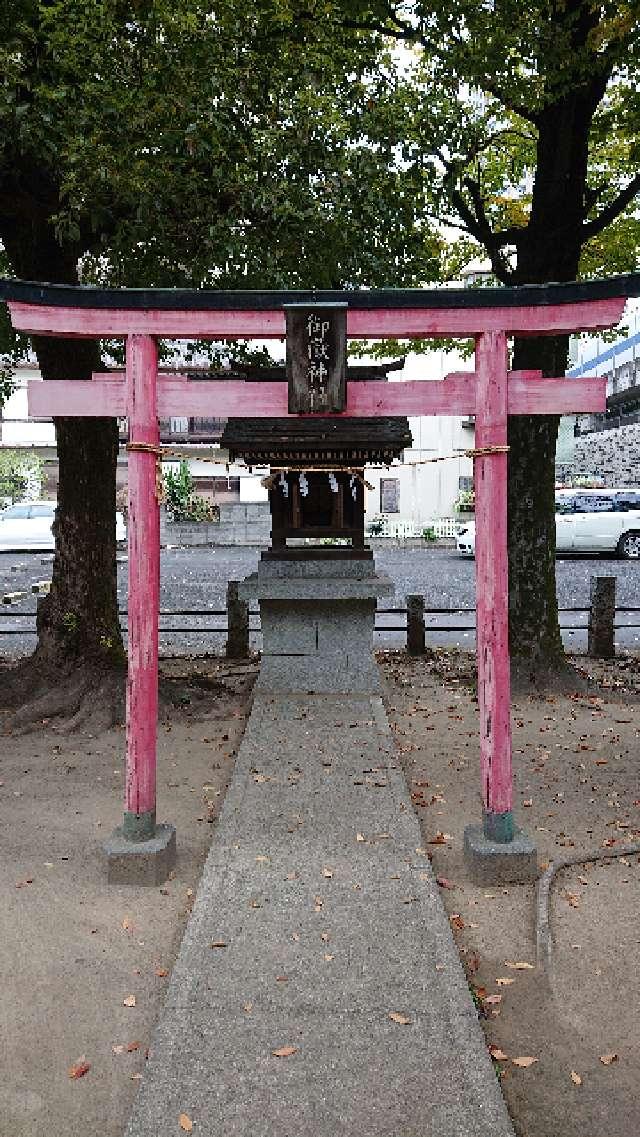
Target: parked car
27	525
587	521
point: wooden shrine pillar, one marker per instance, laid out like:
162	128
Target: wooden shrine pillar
144	589
492	586
141	851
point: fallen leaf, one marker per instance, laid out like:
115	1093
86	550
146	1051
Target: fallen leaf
185	1123
528	802
161	972
117	1049
131	1046
498	1054
491	999
328	873
317	904
328	957
519	965
444	883
218	943
607	1059
456	921
576	1079
524	1062
504	982
129	1001
262	860
284	1051
21	883
360	837
403	1020
79	1069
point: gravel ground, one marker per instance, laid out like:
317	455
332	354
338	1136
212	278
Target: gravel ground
196	579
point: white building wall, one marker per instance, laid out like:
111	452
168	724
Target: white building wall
16	427
427	489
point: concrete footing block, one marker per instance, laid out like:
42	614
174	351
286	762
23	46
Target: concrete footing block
498	862
140	862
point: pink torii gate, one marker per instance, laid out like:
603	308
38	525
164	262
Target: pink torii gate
491	392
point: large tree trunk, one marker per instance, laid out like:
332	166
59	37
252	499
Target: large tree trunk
78	621
534	632
548	250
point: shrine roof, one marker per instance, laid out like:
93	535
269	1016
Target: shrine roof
188	299
321	439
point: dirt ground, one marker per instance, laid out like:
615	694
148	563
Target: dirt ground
577	781
73	949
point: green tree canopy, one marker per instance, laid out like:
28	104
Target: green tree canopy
157	143
526	129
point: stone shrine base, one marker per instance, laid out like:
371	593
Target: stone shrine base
317	619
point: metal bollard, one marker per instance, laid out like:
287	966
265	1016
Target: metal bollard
600	643
415	625
237	623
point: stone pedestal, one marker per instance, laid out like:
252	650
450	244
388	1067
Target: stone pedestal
317	620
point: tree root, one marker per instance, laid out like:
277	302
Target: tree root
92	700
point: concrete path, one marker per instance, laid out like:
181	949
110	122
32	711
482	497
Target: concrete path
331	922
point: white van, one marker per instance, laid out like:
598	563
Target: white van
587	521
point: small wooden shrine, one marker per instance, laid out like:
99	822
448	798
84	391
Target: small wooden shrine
317	487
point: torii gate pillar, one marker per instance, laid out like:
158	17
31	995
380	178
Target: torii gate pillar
141	851
497	850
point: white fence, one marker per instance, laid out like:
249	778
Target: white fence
400	528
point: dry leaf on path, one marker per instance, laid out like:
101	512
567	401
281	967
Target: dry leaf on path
576	1079
161	972
129	1001
218	943
444	883
524	1061
403	1020
504	982
79	1069
491	999
607	1059
519	965
498	1054
185	1123
284	1051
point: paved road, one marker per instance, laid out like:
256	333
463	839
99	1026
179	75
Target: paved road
197	579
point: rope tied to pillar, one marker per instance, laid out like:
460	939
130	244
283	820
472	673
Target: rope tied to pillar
279	471
157	451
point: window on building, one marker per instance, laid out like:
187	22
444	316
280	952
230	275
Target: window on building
389	495
465	484
225	489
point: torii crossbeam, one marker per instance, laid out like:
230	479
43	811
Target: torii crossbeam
491	392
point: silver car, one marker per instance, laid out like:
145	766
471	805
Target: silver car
27	525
